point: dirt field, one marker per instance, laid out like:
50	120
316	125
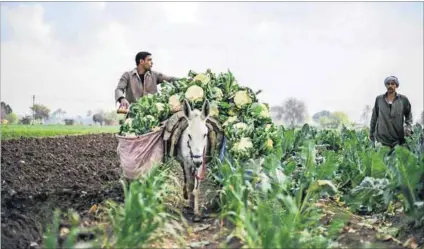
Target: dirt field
39	175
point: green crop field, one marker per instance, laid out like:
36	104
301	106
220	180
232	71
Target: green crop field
17	131
318	189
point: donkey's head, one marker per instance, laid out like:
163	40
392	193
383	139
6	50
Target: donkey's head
194	138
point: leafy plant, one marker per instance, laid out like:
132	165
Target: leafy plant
374	194
408	175
143	213
258	204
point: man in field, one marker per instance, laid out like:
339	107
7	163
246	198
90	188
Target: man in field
391	110
139	81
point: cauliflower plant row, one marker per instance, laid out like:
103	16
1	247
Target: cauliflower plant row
247	123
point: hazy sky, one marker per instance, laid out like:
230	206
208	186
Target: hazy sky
331	55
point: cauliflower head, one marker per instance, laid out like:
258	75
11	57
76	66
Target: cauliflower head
160	107
242	98
218	93
194	93
150	118
260	110
214	112
230	120
267	127
265	112
241	126
174	103
203	78
243	145
269	143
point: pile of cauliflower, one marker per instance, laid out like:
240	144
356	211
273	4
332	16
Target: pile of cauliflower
247	123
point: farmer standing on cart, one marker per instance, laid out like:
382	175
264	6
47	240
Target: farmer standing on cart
391	110
140	81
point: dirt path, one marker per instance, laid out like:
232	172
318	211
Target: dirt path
207	234
371	231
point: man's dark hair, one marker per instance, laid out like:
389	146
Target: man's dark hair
141	56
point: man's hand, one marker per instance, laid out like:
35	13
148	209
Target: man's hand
124	104
408	132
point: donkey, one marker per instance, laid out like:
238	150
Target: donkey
191	153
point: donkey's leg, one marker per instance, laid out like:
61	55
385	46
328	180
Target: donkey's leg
185	192
197	214
194	200
190	189
189	185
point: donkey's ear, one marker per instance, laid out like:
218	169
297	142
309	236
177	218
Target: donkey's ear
206	109
186	108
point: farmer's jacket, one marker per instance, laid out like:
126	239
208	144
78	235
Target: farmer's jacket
130	84
387	121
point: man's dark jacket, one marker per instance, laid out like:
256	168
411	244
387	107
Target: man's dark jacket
387	121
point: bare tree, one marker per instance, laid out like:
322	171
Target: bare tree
79	118
340	118
422	117
5	110
293	112
317	116
277	112
58	113
26	119
365	116
41	111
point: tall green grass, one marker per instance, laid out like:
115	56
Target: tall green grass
137	223
18	131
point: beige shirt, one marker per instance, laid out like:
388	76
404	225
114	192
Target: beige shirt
132	89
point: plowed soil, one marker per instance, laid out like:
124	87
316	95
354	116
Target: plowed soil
40	175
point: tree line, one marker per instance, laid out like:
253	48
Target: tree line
42	113
293	112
